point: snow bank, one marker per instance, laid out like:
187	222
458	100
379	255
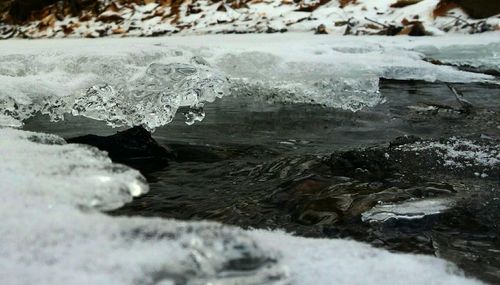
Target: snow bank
144	81
51	233
324	262
242	16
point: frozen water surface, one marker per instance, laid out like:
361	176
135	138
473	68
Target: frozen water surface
128	82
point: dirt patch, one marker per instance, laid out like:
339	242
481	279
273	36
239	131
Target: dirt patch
476	9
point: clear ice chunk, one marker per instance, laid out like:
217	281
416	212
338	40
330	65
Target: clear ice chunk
410	210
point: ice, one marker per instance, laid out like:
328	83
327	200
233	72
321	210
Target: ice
410	210
34	164
127	89
153	98
129	82
52	233
481	56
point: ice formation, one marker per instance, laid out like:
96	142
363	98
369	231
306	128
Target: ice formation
409	210
482	57
52	233
128	82
127	89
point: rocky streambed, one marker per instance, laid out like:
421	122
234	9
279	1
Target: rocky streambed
419	173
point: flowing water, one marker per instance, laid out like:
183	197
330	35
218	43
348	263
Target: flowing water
297	167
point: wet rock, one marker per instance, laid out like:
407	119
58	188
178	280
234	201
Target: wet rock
357	180
134	147
365	165
403	140
327	196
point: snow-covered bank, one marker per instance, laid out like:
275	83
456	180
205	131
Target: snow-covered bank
340	17
144	81
52	233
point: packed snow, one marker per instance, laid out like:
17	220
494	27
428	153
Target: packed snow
128	82
52	233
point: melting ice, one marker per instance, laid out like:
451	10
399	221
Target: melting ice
128	82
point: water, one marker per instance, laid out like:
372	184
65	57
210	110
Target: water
253	164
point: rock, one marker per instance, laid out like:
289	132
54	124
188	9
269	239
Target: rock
134	147
321	30
404	3
403	140
20	10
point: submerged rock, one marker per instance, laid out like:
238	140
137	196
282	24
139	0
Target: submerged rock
134	147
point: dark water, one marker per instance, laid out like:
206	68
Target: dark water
258	165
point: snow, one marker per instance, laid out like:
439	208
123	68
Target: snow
7	121
459	152
144	81
205	17
323	262
52	233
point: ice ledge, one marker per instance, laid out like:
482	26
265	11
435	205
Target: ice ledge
131	82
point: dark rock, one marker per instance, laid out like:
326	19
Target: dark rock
477	9
20	11
134	147
321	30
364	165
417	30
403	140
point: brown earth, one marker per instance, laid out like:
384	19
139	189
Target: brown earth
476	9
